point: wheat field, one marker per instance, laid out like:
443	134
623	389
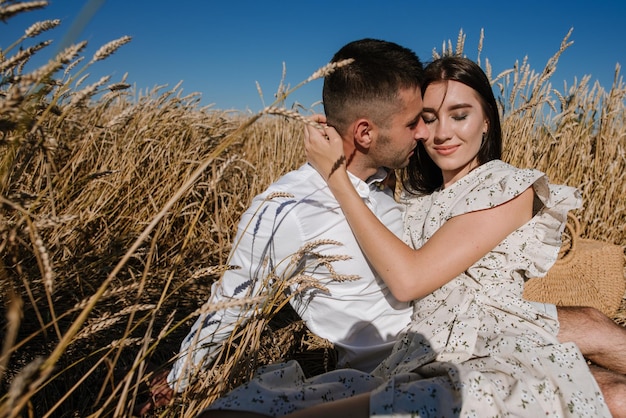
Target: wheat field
118	210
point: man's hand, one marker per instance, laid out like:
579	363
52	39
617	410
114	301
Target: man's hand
160	394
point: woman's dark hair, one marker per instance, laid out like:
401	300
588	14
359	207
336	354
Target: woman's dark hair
422	175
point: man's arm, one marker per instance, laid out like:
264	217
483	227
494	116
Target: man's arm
267	236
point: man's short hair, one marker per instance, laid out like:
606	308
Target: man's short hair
369	85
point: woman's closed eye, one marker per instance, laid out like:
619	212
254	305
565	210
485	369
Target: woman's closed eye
428	118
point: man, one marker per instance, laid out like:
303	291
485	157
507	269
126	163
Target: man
375	104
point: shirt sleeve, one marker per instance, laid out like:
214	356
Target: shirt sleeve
268	235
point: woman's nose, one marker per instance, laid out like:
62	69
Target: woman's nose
442	129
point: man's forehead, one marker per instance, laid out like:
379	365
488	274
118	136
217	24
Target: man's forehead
410	92
411	100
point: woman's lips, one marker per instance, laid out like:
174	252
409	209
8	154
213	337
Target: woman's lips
446	150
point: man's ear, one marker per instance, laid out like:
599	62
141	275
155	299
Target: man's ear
363	133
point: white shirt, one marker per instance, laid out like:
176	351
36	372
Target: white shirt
360	317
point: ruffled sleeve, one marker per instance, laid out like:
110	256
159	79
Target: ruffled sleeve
548	224
488	186
497	182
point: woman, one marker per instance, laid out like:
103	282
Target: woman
495	353
477	228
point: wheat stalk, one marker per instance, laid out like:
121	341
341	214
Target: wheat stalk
110	48
7	11
40	27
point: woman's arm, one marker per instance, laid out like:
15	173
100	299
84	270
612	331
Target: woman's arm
409	273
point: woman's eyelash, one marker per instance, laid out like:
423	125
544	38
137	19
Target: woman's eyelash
430	119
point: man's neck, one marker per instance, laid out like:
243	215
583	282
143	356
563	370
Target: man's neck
361	172
359	164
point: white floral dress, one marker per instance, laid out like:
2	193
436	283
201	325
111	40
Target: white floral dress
474	347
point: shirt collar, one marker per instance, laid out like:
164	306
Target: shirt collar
377	177
363	188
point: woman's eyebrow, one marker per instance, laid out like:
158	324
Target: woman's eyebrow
455	106
459	106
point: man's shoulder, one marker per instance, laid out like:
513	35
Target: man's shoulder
303	185
304	181
292	203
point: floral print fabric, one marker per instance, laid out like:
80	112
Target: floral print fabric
474	347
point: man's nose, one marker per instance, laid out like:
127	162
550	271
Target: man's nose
421	130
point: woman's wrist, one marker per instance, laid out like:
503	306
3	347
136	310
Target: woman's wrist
339	181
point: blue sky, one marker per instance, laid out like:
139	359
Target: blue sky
221	48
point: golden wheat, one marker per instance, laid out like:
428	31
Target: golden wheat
109	49
9	10
118	214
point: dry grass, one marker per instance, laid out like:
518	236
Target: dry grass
117	212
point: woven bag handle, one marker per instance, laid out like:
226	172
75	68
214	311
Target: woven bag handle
573	225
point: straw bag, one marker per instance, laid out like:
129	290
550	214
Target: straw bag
587	273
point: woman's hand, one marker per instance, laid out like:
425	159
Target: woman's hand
324	147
